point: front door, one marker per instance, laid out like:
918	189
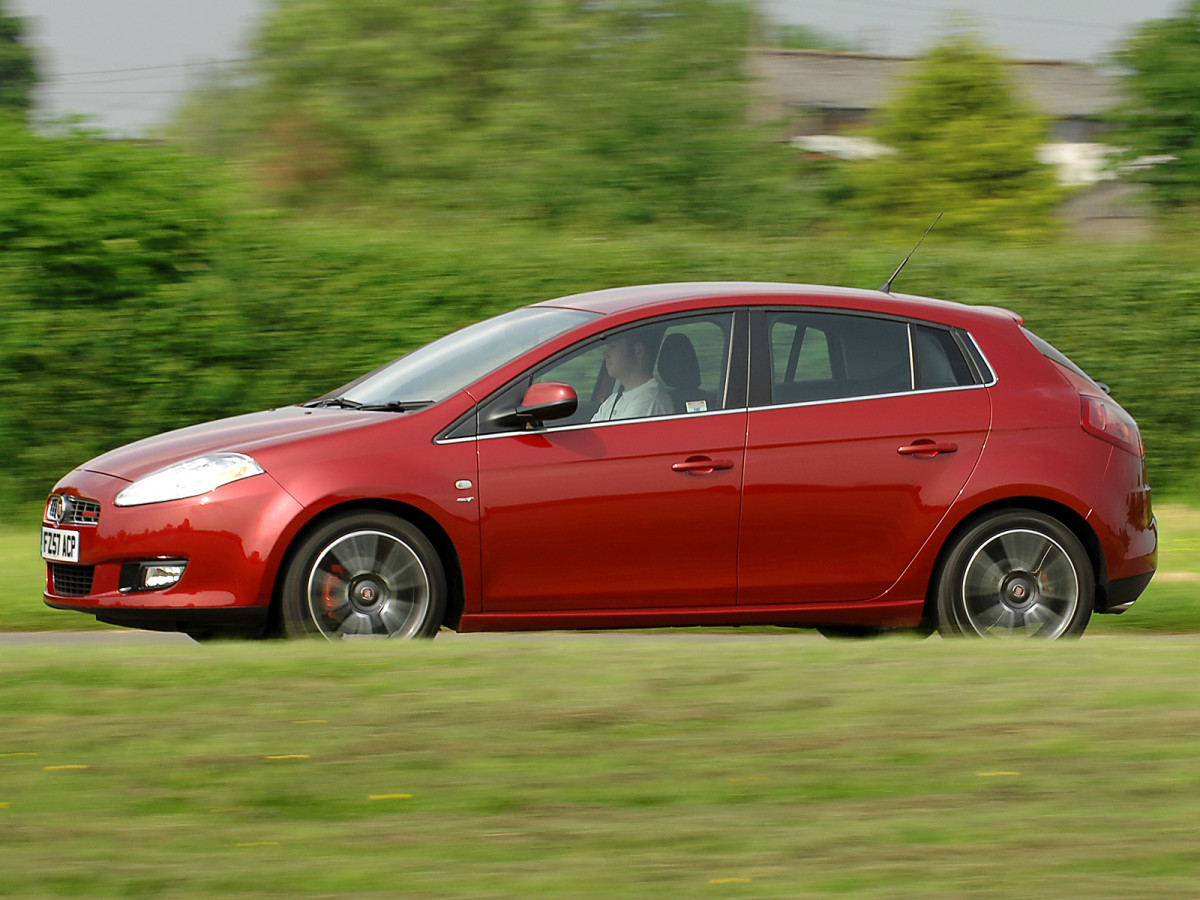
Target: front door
621	513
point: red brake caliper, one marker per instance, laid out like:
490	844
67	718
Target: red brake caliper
336	576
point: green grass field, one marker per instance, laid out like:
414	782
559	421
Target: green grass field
663	764
601	766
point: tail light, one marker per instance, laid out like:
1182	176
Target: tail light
1105	419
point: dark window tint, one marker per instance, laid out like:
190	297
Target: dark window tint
690	365
940	361
824	356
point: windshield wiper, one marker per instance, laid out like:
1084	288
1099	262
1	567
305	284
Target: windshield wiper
340	402
396	405
390	406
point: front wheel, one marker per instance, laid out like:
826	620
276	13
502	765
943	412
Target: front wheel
364	574
1017	573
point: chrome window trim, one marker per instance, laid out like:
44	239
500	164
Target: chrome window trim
959	334
859	399
552	429
912	356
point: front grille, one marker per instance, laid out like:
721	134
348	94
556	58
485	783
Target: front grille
72	581
85	512
74	510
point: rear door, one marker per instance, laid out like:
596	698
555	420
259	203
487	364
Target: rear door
861	433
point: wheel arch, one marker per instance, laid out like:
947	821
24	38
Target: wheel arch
1071	519
417	517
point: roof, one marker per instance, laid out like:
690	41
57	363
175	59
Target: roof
823	79
640	298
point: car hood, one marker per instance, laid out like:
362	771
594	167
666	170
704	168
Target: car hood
243	434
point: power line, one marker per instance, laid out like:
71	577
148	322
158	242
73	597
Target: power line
189	65
69	93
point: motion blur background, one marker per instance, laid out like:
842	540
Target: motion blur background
209	208
264	199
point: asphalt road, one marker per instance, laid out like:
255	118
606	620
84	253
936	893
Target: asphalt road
132	637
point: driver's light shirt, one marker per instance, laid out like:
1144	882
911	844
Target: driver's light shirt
647	399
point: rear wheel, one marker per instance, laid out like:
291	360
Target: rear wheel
364	574
1017	573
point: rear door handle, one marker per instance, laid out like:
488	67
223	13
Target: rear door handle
925	449
701	465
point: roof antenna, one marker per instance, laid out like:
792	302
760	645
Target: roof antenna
887	285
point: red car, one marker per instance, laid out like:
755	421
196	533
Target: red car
680	454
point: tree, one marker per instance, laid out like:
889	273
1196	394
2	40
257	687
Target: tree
98	238
1161	117
17	73
962	143
626	110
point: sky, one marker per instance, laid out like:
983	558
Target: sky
1025	29
125	64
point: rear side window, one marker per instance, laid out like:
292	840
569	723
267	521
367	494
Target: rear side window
827	356
939	359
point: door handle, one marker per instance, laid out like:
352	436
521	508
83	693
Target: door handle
701	465
925	449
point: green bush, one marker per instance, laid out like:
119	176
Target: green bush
280	312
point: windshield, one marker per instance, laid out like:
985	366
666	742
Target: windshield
435	371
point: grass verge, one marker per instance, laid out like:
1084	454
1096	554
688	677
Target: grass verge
601	766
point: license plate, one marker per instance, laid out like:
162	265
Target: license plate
59	545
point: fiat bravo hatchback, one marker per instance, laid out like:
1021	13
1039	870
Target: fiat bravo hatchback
665	455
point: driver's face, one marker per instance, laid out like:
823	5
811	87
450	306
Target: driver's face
619	357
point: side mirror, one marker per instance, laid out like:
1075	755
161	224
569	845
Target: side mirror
547	400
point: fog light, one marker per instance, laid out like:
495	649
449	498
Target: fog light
156	576
151	574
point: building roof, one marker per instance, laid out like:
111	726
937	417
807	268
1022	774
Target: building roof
823	80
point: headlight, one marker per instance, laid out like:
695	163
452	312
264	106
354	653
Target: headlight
189	478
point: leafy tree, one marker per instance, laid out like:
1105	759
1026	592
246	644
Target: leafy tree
17	73
626	110
1161	118
96	239
962	143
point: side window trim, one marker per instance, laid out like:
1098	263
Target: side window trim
734	390
762	372
980	367
912	355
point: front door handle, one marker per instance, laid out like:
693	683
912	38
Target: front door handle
701	465
926	449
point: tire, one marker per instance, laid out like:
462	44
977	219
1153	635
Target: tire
1017	573
366	574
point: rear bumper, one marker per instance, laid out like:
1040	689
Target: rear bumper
1122	593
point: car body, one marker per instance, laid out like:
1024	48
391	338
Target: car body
843	459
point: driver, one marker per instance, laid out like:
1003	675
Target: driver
629	359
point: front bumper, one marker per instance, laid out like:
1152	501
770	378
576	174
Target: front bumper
231	539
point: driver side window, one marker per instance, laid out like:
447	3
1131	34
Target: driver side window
667	367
